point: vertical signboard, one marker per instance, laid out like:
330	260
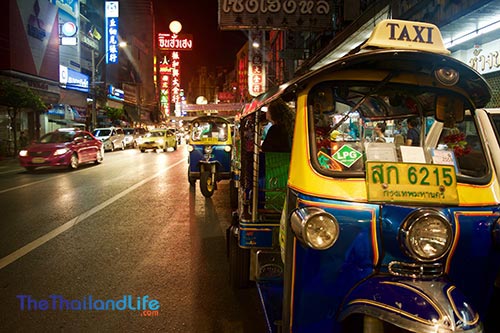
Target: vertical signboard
176	76
165	78
256	63
111	14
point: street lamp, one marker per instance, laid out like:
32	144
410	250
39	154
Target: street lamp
122	44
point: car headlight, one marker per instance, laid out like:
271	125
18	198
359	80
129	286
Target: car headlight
190	148
315	227
23	153
161	141
61	151
227	149
426	235
208	149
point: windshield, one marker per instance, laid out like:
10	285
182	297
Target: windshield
209	129
156	134
394	123
57	137
102	132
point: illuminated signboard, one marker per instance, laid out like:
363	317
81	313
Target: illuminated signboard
73	80
256	66
311	15
115	93
176	76
111	13
165	75
173	42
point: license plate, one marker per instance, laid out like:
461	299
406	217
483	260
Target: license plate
38	160
411	182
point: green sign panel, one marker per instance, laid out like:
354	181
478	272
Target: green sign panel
347	156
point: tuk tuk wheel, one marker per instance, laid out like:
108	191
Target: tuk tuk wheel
239	261
207	186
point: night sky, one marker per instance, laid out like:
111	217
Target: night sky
211	47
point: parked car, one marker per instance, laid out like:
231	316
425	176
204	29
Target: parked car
158	139
112	137
63	147
132	135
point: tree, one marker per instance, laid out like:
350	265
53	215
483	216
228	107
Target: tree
113	114
15	98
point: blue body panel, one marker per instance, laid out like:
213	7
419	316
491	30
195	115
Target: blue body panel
218	154
368	242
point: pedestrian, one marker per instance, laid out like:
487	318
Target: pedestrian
413	134
380	132
23	139
279	135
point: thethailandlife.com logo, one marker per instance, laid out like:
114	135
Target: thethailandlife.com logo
146	306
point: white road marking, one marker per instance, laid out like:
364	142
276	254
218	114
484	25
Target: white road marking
5	261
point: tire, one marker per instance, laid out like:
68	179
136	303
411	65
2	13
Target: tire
207	188
100	157
192	180
73	163
239	262
175	147
112	147
143	150
233	194
123	145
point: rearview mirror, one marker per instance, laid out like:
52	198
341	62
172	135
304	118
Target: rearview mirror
449	110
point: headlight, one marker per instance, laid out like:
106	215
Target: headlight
208	149
161	141
315	227
190	148
61	151
23	153
426	235
227	149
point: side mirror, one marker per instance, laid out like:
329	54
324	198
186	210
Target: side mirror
449	110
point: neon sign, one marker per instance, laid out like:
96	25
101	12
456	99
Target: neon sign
174	42
111	14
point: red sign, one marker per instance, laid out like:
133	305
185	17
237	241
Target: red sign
174	42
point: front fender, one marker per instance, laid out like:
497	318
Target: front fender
415	305
208	166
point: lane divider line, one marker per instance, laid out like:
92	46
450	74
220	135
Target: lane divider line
7	260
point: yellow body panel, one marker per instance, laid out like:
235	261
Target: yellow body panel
304	179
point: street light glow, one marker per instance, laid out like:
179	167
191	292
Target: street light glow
175	27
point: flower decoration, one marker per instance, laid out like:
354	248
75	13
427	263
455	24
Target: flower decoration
456	141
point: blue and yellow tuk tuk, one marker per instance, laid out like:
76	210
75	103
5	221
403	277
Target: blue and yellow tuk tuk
385	217
209	147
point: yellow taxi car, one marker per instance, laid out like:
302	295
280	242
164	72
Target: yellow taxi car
161	138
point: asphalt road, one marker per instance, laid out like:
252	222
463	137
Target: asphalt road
128	233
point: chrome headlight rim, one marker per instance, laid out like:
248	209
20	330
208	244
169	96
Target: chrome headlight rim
411	241
305	218
447	76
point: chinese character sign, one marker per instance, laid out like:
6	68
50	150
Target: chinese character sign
165	78
256	64
175	62
111	14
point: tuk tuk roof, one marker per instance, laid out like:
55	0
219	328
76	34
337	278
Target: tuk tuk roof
394	56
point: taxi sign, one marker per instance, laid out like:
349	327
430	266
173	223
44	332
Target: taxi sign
411	182
407	35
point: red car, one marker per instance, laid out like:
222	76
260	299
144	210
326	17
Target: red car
63	147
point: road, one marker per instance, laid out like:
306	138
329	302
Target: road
128	230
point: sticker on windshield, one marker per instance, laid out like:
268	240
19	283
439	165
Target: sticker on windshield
347	156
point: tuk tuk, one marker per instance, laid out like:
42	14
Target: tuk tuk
209	148
371	228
